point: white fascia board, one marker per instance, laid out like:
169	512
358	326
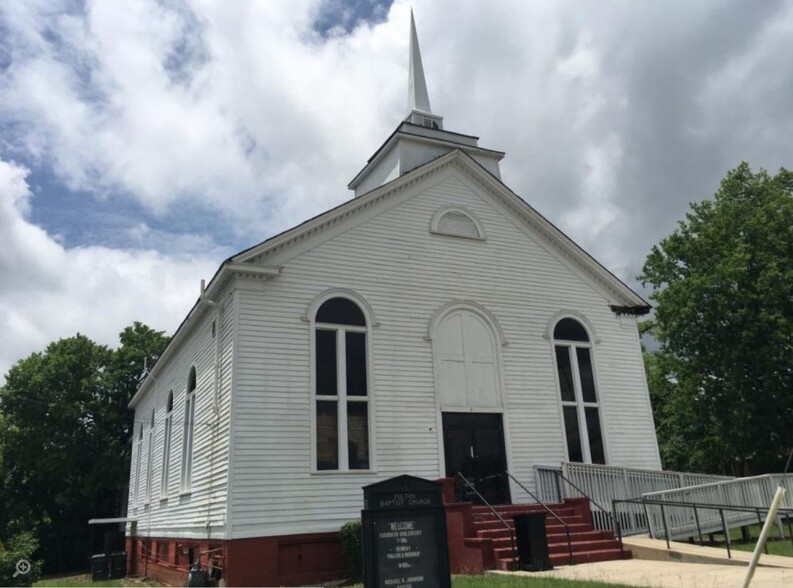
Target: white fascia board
346	208
225	272
556	235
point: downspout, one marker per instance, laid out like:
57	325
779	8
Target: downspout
215	404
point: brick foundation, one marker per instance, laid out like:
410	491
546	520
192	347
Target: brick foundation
291	560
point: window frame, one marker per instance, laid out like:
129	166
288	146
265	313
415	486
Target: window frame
341	398
188	432
167	436
138	458
578	402
149	459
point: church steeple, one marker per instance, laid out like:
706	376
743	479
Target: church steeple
419	111
420	137
418	98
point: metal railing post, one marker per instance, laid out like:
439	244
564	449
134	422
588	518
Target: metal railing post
666	527
699	529
726	532
647	517
558	486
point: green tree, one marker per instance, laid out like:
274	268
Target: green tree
65	439
722	284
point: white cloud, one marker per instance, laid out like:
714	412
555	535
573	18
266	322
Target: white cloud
613	120
48	291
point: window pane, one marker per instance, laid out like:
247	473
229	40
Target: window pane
595	437
570	330
358	435
356	364
587	377
191	380
341	311
573	436
327	435
326	363
565	373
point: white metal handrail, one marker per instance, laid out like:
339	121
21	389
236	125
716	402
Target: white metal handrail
753	492
604	483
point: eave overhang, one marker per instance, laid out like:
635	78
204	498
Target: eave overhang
225	272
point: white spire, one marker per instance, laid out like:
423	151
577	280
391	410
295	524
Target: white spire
418	99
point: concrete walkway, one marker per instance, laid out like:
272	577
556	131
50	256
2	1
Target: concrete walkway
645	548
668	574
682	566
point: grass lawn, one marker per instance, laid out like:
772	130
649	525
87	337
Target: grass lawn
776	544
83	580
496	581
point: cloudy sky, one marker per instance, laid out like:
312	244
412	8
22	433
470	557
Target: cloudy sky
142	143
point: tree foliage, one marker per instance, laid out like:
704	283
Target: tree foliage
64	439
723	280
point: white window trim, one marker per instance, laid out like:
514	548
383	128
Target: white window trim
188	437
579	403
138	457
167	436
341	381
149	459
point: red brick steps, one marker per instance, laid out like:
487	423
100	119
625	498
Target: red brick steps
588	544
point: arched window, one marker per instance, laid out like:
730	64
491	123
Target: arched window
138	460
166	445
188	431
341	386
149	469
573	351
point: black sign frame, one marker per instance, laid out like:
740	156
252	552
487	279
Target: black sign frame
402	517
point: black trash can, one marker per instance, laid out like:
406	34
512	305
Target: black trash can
532	542
99	567
118	565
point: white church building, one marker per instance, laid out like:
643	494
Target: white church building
434	323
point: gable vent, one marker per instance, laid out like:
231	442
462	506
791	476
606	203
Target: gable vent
458	223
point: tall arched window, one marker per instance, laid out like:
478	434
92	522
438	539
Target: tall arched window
149	469
188	431
138	460
341	386
166	446
578	388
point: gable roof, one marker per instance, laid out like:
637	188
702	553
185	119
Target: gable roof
631	301
246	261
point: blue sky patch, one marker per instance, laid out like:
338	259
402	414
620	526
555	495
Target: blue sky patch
342	16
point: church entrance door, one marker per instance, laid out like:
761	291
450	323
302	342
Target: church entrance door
474	446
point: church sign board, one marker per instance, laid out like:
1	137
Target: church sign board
404	535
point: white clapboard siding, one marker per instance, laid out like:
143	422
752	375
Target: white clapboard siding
200	513
406	274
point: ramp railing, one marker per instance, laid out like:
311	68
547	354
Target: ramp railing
754	493
603	484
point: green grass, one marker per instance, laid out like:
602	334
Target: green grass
70	581
776	545
83	580
497	581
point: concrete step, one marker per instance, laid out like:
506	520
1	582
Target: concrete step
520	508
571	521
505	552
503	539
563	559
